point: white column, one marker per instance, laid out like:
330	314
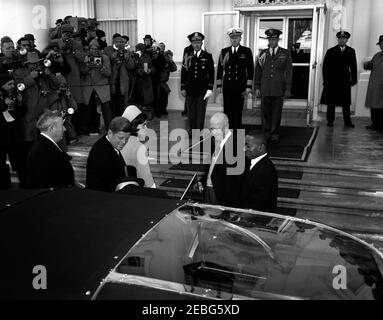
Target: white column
376	25
360	42
144	18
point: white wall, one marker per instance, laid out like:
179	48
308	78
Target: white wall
19	17
171	21
62	8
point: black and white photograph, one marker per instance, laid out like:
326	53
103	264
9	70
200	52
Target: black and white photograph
209	152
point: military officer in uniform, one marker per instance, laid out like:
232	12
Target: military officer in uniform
273	79
339	75
235	74
197	81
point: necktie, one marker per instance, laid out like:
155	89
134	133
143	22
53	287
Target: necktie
273	53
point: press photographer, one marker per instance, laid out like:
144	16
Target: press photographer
142	92
73	53
96	88
59	65
164	89
12	110
122	73
40	93
10	58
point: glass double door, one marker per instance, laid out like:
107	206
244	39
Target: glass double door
296	37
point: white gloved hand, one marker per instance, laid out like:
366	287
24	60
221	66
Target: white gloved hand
208	94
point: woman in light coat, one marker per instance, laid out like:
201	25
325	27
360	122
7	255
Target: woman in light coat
135	152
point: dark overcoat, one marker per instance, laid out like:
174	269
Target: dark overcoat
339	74
104	167
48	166
374	98
259	187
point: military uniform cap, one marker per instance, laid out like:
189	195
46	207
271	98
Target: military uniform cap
234	32
196	36
273	33
343	34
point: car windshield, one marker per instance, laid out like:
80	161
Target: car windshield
227	253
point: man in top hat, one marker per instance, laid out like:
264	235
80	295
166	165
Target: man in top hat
374	98
235	74
339	75
273	79
197	81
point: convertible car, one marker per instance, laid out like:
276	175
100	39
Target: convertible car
94	245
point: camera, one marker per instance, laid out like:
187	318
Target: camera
121	56
14	96
95	61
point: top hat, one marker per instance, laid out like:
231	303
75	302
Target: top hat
196	36
343	34
232	32
273	33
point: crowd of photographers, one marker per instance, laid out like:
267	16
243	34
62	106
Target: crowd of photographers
78	74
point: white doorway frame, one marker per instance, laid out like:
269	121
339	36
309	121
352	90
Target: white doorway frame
316	57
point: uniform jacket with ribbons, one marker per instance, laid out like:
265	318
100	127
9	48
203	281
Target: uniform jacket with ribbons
339	74
274	75
235	71
197	74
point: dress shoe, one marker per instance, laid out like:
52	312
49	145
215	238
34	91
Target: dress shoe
349	125
183	113
330	124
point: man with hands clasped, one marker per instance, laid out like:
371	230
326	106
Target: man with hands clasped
273	79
